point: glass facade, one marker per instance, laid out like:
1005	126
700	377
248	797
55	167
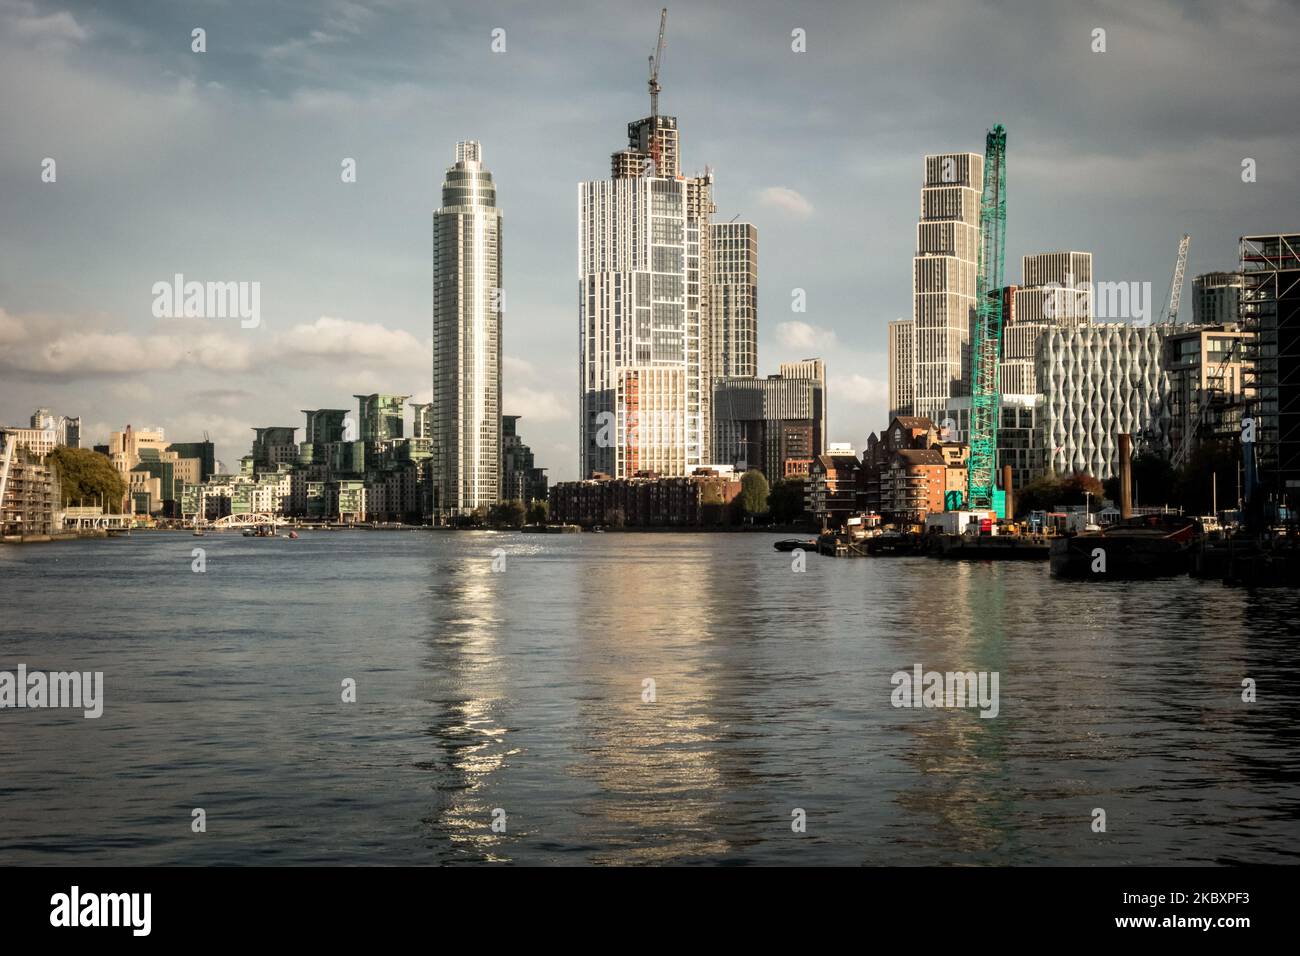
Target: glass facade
468	304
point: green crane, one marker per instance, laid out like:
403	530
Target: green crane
986	338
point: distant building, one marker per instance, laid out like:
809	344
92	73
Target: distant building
832	493
1207	369
644	283
1020	435
814	370
1216	298
381	416
703	498
904	432
1056	291
274	445
421	420
902	366
521	479
67	430
1270	308
733	300
913	484
649	432
29	491
774	424
204	452
468	305
1100	381
944	278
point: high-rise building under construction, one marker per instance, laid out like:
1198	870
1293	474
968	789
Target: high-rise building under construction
644	269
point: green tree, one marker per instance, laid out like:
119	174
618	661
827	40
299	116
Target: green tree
1154	481
753	493
786	500
1047	491
507	514
87	475
539	512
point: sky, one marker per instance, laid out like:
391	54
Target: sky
225	165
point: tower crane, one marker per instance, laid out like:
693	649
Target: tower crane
986	339
655	62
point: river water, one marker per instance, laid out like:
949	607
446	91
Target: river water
519	695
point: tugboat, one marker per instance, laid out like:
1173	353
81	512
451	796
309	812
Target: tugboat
1146	546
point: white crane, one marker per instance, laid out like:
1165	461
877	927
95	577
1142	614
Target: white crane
1176	287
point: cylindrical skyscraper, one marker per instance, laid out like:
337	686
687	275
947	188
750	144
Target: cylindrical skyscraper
467	306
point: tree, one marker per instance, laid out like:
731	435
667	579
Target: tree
1078	488
1153	481
539	512
87	475
1047	491
753	493
786	500
507	514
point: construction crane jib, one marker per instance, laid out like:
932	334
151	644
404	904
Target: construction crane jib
986	338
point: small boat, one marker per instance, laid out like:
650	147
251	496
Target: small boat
793	544
293	535
198	532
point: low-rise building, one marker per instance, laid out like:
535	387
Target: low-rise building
833	489
646	500
914	484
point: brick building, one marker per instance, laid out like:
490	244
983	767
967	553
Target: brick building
646	500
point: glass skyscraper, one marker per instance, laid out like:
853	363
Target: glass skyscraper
644	274
467	306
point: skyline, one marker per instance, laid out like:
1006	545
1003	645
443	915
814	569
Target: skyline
1118	170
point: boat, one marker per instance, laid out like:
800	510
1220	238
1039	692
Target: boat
261	531
293	535
1146	546
793	544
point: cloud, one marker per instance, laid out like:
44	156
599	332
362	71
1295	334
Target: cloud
536	405
857	389
226	397
787	200
344	340
54	32
131	390
526	393
803	337
43	347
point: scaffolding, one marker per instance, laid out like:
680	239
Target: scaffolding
1270	307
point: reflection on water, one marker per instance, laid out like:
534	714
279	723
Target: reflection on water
520	693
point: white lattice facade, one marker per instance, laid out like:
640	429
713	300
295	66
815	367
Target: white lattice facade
1099	381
